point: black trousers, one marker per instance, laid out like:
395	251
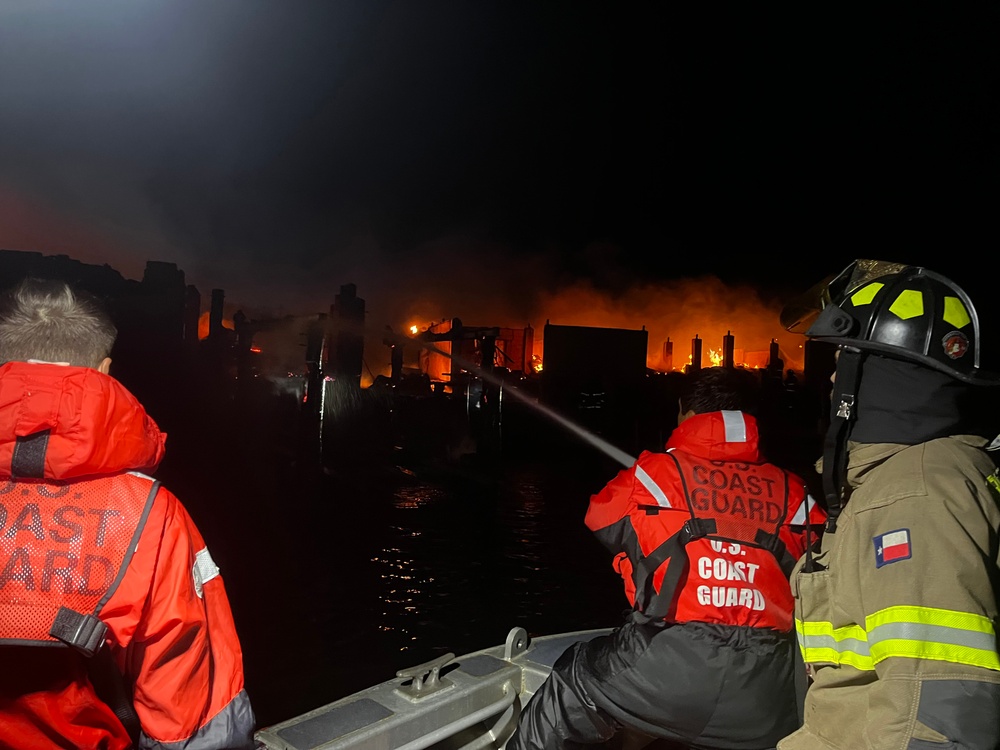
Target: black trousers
699	686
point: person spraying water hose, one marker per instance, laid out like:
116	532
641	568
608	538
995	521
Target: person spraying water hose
704	536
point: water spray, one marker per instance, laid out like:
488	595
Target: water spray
586	435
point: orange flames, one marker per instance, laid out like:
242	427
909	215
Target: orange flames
674	314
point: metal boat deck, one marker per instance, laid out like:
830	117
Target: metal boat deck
450	703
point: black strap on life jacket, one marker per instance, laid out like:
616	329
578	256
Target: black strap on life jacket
111	688
652	606
29	455
85	634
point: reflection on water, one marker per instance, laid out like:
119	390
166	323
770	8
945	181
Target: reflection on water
338	579
463	560
407	581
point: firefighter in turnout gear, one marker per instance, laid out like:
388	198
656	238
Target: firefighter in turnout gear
115	627
704	536
897	615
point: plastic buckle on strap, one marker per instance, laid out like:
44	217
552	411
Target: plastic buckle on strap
85	633
696	528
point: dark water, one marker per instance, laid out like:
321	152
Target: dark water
341	572
346	565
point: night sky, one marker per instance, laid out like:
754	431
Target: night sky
493	160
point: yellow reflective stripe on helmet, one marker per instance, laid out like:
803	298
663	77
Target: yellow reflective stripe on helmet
909	304
905	631
929	633
822	643
955	312
866	294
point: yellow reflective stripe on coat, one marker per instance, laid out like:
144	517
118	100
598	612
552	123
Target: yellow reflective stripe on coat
821	643
939	634
905	631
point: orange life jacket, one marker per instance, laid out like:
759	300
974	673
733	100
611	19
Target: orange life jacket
732	502
64	547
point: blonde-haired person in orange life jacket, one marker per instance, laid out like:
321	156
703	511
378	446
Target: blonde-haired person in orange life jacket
115	627
897	615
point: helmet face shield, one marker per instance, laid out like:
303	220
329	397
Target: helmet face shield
900	311
857	275
798	315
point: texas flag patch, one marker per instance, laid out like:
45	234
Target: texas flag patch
892	547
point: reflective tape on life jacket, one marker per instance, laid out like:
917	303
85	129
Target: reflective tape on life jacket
903	631
652	487
804	513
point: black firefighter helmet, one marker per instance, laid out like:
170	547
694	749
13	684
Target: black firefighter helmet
896	310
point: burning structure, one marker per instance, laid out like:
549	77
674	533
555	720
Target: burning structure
450	348
602	378
596	367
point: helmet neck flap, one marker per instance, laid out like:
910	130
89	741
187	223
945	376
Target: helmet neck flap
877	399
